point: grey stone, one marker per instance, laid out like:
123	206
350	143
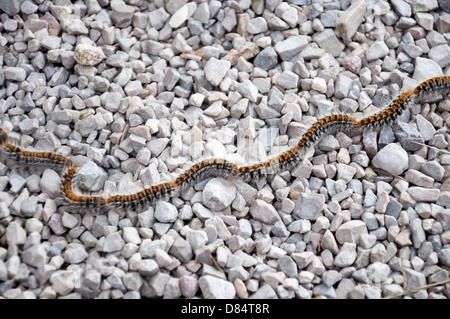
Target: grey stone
264	212
378	272
414	279
422	194
218	194
181	250
188	286
346	256
401	7
75	254
391	158
257	25
132	281
331	277
113	242
248	90
158	17
121	13
63	281
182	14
15	234
408	136
349	21
425	69
91	177
376	51
289	48
444	256
288	266
15	74
351	231
288	80
35	256
215	70
147	267
165	212
11	7
29	206
309	206
265	292
328	41
216	288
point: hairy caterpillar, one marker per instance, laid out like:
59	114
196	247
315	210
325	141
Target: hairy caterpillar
218	167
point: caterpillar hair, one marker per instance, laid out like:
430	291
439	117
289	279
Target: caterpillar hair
388	115
431	85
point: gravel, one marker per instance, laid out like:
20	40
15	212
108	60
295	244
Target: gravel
138	91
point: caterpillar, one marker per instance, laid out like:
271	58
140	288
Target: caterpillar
31	157
218	167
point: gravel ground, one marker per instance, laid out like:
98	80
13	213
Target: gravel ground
137	91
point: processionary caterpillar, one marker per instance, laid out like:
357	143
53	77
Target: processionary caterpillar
218	167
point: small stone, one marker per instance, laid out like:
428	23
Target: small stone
91	177
147	267
113	242
422	194
15	234
196	238
328	41
346	256
216	288
289	48
378	272
215	70
402	8
122	13
165	212
288	80
288	266
63	281
407	135
414	279
75	254
181	250
218	194
248	90
267	59
351	231
426	69
74	27
132	281
426	129
349	21
88	55
257	25
188	286
69	220
376	51
391	158
444	256
309	206
182	14
131	235
15	74
35	256
264	212
157	18
29	206
331	277
265	292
